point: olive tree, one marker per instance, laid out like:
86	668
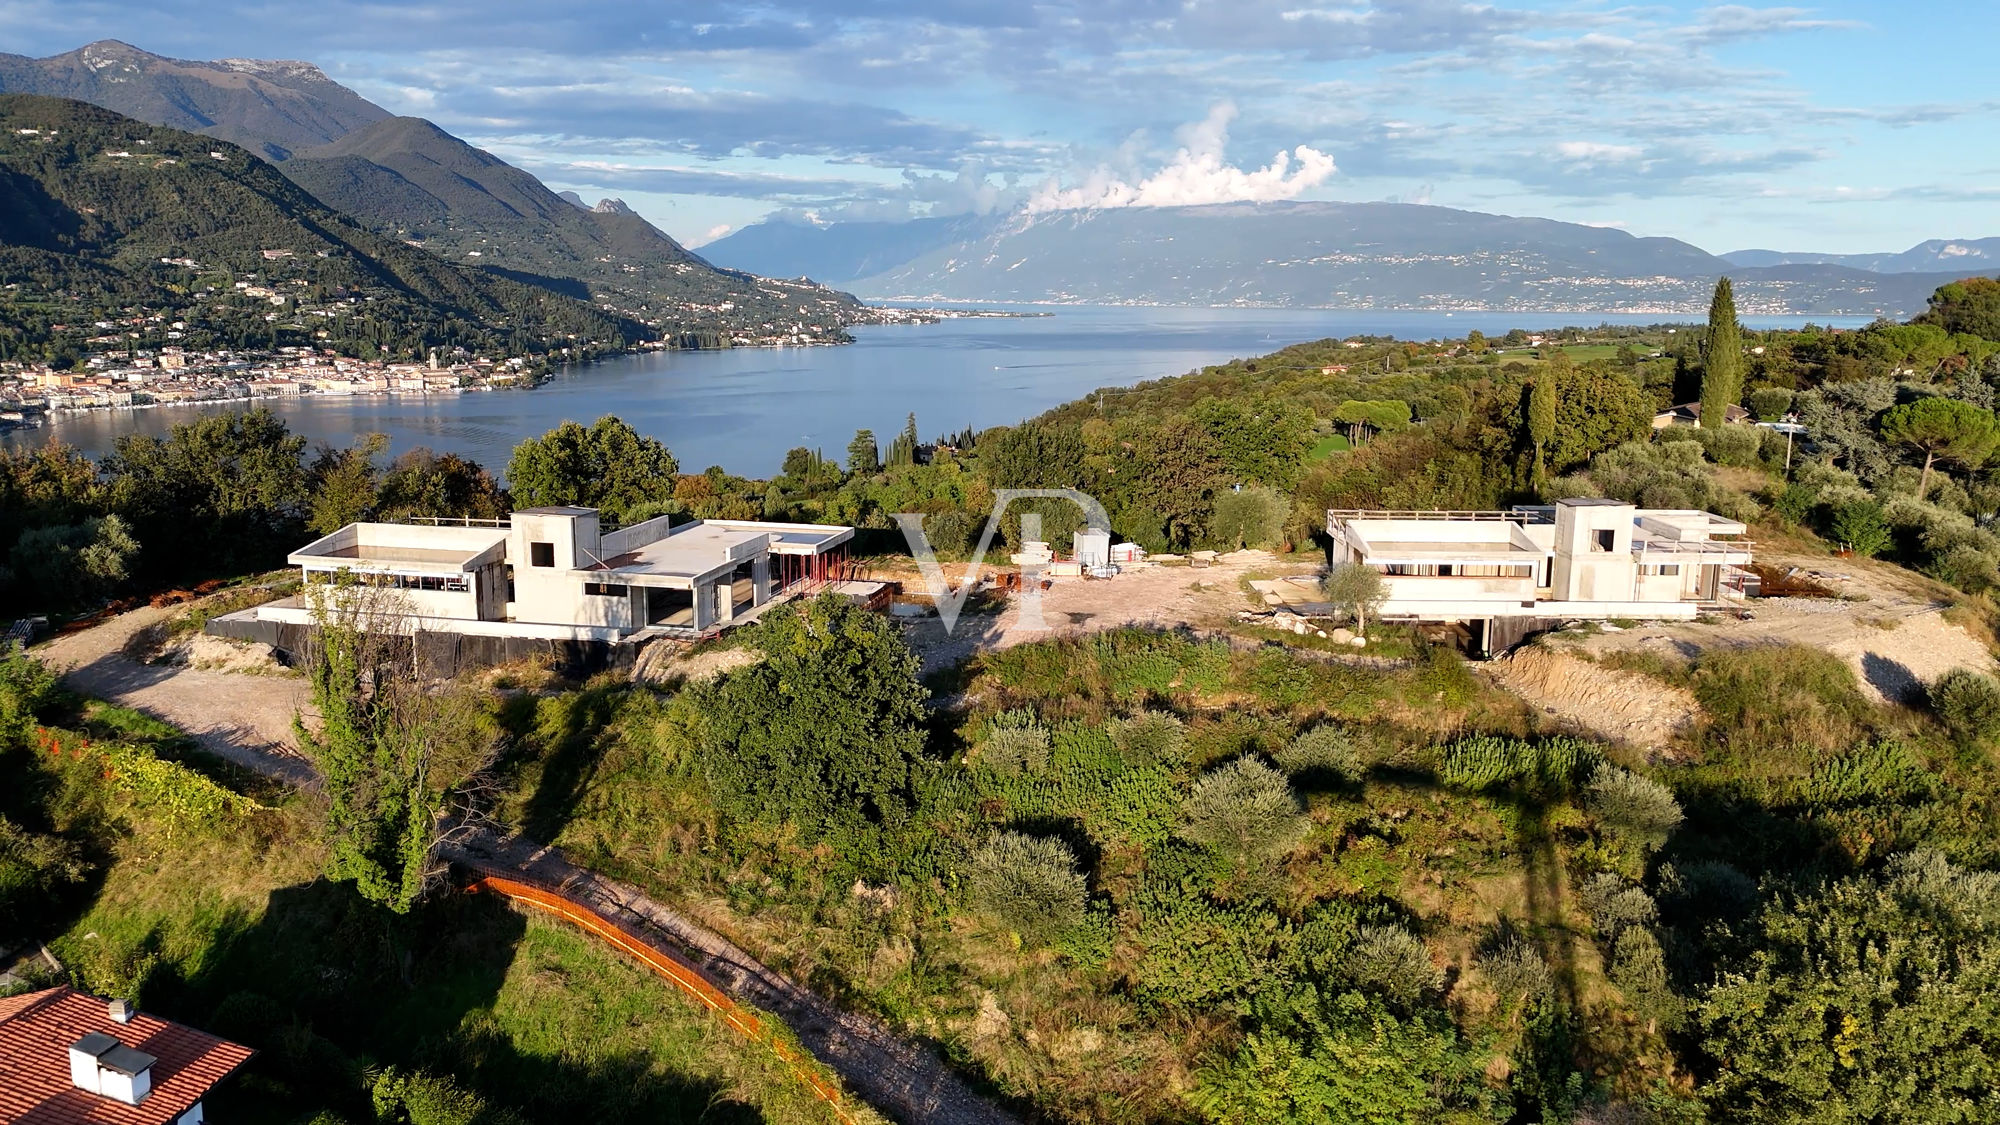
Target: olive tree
1355	589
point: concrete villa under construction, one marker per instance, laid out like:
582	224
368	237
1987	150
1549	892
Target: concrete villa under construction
552	575
1504	574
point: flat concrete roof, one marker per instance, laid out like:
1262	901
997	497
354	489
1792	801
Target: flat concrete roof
557	510
690	553
792	538
403	547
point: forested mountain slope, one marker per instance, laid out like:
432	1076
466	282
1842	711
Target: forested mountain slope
101	214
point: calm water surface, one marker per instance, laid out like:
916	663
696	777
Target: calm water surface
742	409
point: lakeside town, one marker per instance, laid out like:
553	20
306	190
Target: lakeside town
172	375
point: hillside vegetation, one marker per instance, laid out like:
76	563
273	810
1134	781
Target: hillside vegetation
1156	877
101	216
153	874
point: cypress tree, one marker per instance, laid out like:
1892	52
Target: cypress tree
1542	421
1722	358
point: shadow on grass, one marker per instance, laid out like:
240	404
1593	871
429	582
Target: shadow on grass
330	988
559	741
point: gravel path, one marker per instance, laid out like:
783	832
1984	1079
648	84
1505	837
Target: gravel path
903	1080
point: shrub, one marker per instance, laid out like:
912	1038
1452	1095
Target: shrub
1860	995
34	868
1615	906
1639	969
1966	567
1250	517
1876	772
1545	769
1347	1059
1015	744
76	564
1518	973
1769	404
1150	738
1244	810
1861	527
27	687
1637	808
1030	883
1730	445
1708	887
1969	704
1394	962
418	1098
1325	749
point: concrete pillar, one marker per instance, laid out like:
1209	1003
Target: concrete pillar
760	580
704	606
725	598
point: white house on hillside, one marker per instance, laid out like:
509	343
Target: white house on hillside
1503	574
553	574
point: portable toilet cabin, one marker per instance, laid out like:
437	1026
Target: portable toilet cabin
1093	548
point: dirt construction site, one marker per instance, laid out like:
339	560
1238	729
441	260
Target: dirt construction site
1889	624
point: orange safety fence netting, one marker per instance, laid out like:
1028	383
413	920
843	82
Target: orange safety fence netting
683	975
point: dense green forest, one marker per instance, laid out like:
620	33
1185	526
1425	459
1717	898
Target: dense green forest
101	216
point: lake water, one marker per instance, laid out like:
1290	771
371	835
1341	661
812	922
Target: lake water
743	408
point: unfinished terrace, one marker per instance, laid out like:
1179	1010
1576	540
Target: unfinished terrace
1502	575
551	579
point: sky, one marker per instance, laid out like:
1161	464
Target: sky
1839	127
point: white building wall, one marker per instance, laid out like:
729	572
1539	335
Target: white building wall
551	594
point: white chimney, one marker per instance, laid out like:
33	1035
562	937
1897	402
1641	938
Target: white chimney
102	1065
120	1011
83	1060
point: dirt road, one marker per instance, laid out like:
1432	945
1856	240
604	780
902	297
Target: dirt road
243	718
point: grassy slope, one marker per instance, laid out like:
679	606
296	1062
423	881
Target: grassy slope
232	931
1071	1038
1079	1038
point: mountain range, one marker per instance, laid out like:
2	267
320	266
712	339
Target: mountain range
1339	255
113	231
405	178
1938	254
409	180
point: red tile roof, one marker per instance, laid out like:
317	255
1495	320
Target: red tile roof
36	1031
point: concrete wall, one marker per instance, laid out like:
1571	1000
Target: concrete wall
1593	545
550	594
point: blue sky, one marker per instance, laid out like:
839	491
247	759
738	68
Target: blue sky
1836	127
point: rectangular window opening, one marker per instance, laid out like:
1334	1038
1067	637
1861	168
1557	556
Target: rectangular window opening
542	554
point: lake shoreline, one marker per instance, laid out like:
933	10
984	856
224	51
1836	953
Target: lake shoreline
742	408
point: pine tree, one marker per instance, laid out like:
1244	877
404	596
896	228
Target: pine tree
1722	358
862	455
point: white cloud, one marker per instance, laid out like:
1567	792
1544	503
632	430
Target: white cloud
1594	152
1197	174
713	233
